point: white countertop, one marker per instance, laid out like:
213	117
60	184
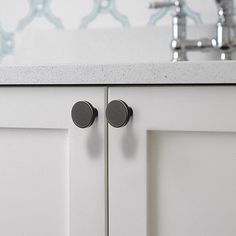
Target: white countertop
121	74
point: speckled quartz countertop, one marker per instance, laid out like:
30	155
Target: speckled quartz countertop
121	74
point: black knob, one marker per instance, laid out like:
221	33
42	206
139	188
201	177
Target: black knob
118	113
83	114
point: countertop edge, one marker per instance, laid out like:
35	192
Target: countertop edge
181	73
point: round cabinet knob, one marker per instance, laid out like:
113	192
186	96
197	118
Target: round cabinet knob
83	114
118	113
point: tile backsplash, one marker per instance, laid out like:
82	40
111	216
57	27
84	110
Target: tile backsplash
23	15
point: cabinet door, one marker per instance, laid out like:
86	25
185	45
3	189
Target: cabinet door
172	168
52	173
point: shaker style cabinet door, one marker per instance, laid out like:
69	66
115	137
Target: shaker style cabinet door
172	168
52	173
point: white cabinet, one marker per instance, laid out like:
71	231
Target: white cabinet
52	173
171	170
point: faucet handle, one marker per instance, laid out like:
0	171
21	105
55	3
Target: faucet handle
157	5
180	8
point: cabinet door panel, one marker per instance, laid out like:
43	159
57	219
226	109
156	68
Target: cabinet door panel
172	169
52	173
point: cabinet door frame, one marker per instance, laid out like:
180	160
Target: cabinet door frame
159	108
49	108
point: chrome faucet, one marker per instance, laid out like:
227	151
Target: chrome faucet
224	41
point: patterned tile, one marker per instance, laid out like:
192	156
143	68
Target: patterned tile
7	43
197	11
104	7
39	8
